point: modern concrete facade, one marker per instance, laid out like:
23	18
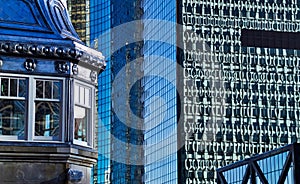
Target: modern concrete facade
48	80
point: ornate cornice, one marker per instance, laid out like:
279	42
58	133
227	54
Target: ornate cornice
78	53
44	32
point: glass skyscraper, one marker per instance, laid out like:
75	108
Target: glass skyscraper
159	96
115	161
223	75
79	12
242	62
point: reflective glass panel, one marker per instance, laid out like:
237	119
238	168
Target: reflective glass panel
12	117
22	87
81	119
13	87
47	89
56	90
47	118
4	87
39	89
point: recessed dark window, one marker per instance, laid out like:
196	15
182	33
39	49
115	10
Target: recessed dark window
270	39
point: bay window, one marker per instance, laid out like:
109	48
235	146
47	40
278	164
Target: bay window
31	108
82	114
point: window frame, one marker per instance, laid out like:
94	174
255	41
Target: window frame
90	115
8	97
61	113
30	100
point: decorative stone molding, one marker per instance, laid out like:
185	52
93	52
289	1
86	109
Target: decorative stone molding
73	54
74	175
30	65
61	66
93	76
75	69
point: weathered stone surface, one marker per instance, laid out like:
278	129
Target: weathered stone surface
44	164
31	173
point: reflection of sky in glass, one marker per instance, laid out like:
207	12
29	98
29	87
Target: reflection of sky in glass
100	12
290	176
235	175
160	92
271	167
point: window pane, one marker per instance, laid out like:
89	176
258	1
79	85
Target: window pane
47	118
81	95
81	119
87	97
48	89
39	89
56	90
4	87
12	117
22	87
13	87
76	94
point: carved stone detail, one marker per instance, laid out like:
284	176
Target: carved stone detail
52	52
75	175
61	66
30	65
93	76
75	69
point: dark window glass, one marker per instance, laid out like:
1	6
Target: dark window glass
39	89
48	89
4	87
12	117
47	119
13	87
22	87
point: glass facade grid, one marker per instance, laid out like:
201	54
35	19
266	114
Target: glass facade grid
99	25
272	166
79	12
160	117
105	17
235	175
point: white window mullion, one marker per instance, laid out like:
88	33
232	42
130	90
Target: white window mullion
31	108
